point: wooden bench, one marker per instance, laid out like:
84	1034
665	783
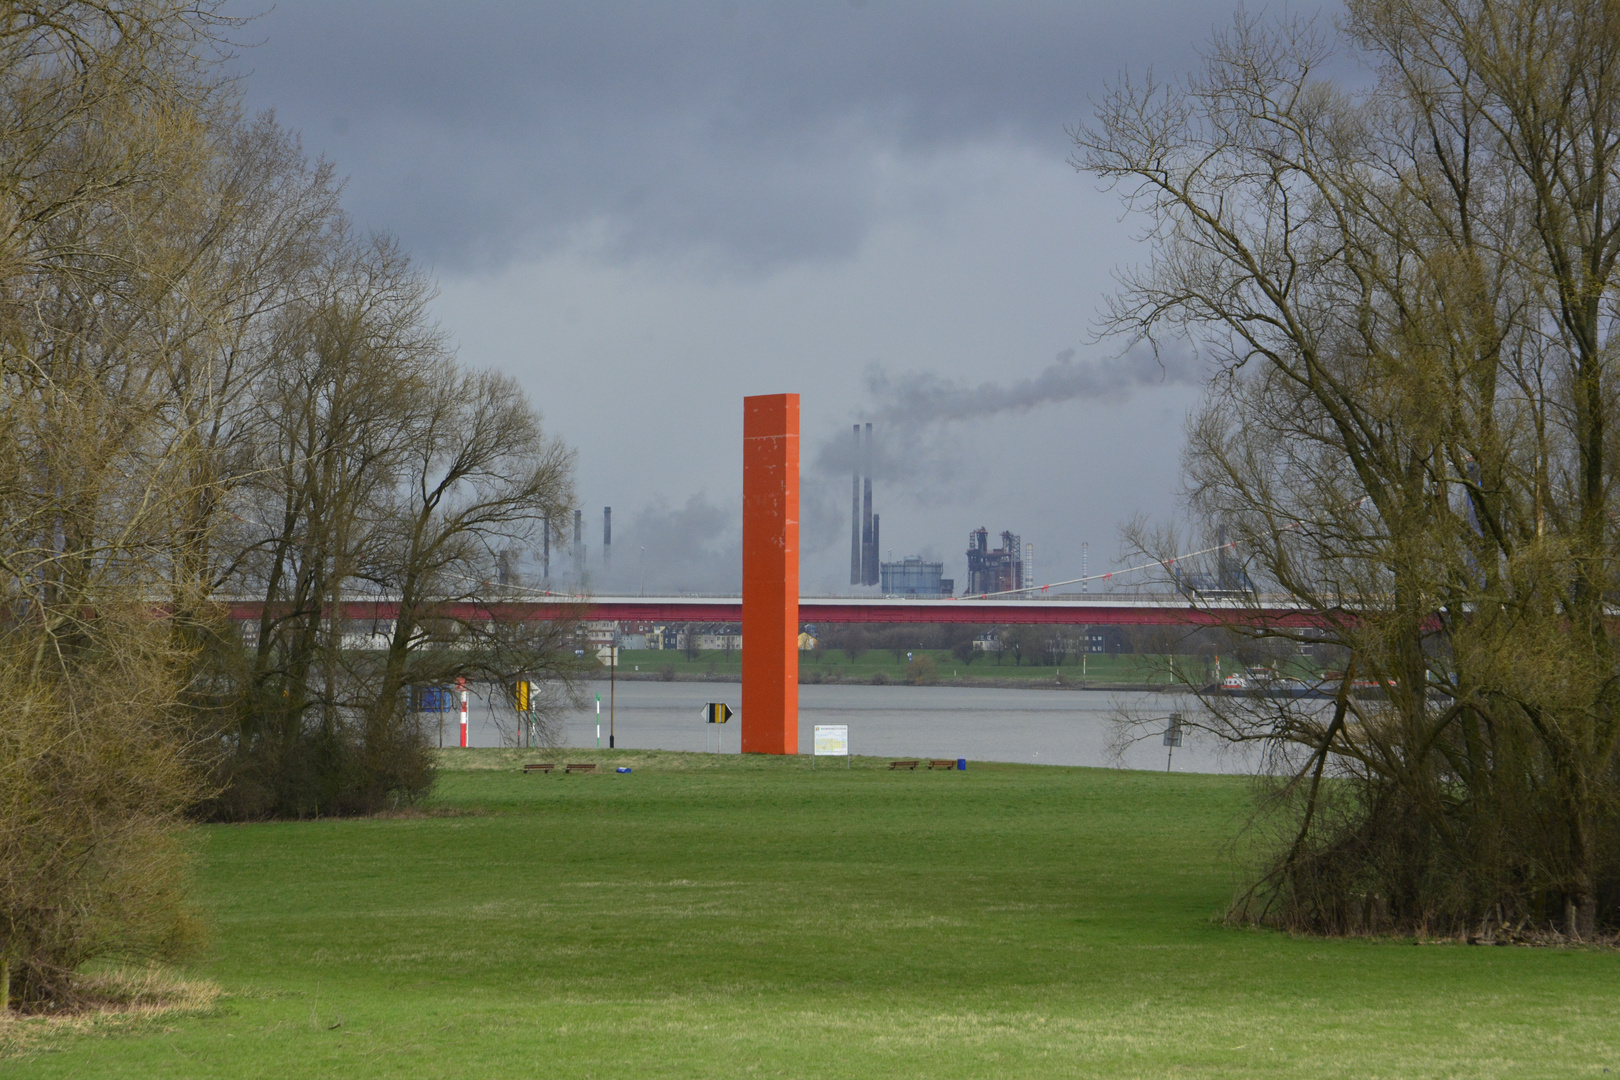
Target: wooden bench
942	763
538	766
587	767
902	765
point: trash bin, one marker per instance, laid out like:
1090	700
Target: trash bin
961	764
622	768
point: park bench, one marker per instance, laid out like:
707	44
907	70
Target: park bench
587	767
903	765
538	766
942	763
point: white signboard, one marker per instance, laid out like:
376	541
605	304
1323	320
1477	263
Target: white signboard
832	740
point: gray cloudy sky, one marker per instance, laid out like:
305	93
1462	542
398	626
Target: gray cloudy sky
645	212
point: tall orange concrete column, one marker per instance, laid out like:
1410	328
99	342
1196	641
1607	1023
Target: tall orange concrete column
770	583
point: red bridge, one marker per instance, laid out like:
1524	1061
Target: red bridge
1069	610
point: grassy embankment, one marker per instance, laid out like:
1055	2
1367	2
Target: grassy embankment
833	665
732	917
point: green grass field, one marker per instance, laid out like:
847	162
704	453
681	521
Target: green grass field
711	917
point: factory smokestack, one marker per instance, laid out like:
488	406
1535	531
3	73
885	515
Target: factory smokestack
869	568
579	543
873	573
855	514
607	538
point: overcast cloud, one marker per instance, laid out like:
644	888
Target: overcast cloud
764	134
645	212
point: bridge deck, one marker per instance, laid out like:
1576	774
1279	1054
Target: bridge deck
1104	610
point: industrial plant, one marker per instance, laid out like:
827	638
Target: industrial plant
1000	570
863	530
1005	569
914	576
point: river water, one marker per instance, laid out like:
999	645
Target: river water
1050	727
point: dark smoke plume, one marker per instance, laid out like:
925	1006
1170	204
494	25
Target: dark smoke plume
905	407
696	546
923	398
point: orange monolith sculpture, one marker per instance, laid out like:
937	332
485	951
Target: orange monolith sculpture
770	583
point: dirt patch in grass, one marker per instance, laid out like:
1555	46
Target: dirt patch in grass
110	1002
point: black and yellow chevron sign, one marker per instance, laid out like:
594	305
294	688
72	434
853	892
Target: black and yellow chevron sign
717	712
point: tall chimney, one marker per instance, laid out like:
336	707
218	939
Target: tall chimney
868	549
607	538
876	564
579	543
855	514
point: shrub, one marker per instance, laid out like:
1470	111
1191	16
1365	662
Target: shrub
922	672
91	865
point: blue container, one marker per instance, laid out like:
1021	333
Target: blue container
622	768
961	764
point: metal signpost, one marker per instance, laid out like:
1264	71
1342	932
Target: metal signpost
599	721
1172	738
832	740
523	699
461	685
716	712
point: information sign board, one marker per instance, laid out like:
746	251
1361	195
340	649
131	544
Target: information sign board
832	740
1172	734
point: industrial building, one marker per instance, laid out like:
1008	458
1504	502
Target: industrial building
1228	580
912	576
1005	569
995	571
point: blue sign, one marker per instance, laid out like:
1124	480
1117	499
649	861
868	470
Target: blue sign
435	699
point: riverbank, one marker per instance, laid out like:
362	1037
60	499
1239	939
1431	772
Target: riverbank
818	678
924	667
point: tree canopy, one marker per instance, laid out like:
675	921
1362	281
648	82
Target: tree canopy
1405	288
214	391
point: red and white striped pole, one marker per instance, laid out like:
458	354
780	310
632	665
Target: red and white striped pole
461	684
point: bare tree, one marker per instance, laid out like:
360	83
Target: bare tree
480	477
1406	294
106	117
387	475
854	640
211	391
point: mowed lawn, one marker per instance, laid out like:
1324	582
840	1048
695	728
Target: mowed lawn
746	917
